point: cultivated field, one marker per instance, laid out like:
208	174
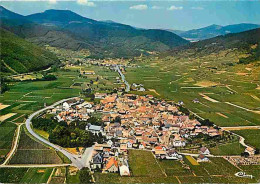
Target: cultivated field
145	168
7	131
32	152
233	148
224	97
252	137
24	175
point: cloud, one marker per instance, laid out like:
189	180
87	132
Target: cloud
157	7
197	8
175	8
52	1
86	3
139	7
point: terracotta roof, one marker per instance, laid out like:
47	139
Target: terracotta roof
111	162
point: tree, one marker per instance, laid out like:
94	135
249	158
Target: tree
85	176
4	87
49	77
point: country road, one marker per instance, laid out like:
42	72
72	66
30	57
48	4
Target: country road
123	78
76	161
14	146
34	165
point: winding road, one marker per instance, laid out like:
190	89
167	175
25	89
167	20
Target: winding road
75	159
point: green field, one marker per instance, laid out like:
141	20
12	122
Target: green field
30	151
36	175
7	131
233	148
25	175
141	167
252	137
145	168
185	77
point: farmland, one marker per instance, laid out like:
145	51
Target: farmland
233	148
30	151
26	97
24	175
252	136
7	131
168	171
225	96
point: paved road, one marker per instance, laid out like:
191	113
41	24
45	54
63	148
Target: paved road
123	78
76	161
14	146
87	155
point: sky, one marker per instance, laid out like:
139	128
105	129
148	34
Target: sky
171	14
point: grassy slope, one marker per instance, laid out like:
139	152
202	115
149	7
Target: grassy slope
19	56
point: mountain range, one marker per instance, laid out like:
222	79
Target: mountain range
213	31
23	38
66	29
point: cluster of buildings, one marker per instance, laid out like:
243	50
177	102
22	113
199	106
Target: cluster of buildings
144	122
134	122
73	110
110	157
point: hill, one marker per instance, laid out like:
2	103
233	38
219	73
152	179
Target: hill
20	56
215	30
109	39
242	41
66	29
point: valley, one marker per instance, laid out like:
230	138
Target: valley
86	101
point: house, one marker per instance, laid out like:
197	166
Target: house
202	158
111	165
94	128
173	155
204	151
124	170
100	95
160	153
142	145
66	106
130	144
250	150
97	161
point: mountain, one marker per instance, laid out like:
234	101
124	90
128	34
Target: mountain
4	13
215	30
20	56
66	29
244	42
108	39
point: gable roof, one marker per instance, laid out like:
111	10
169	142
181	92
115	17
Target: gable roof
110	163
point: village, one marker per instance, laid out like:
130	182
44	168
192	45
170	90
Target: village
135	122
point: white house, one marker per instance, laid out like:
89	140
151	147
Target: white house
124	170
66	106
204	151
202	158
